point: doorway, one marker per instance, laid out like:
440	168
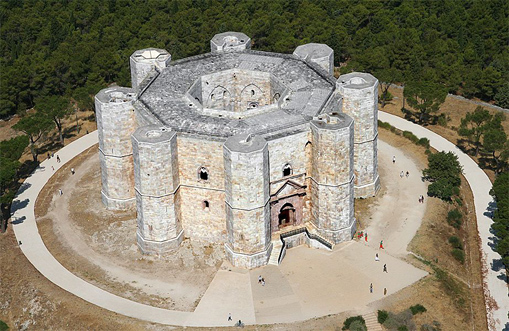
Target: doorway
286	215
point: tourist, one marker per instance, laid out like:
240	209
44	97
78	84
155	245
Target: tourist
393	159
60	191
72	171
385	290
260	279
371	288
49	156
263	282
385	268
53	168
407	174
58	159
401	174
229	317
376	257
366	237
381	244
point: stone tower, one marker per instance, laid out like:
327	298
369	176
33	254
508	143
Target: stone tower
145	61
320	54
332	176
230	41
116	121
246	163
360	97
156	180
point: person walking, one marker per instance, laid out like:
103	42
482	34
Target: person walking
371	288
60	191
407	174
376	257
58	159
401	174
366	237
393	159
385	268
72	171
381	244
385	290
230	317
260	279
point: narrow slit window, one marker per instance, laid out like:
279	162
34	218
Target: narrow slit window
203	174
287	170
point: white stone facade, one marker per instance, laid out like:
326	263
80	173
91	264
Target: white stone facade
239	146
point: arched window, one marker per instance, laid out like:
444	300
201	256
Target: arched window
252	92
287	170
203	174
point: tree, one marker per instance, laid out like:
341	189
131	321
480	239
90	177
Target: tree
34	126
57	108
425	97
474	125
502	96
387	77
500	224
443	172
495	142
10	152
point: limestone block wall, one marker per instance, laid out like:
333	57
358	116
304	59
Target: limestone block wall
143	61
116	121
332	177
198	221
360	96
156	180
290	150
247	196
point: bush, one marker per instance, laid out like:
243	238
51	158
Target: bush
458	255
418	308
423	142
442	120
410	136
454	218
402	328
358	326
3	326
350	320
405	318
455	242
382	316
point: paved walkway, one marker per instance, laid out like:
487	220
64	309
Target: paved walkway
495	277
288	287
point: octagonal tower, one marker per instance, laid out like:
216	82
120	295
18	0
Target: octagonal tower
144	61
230	41
320	54
360	100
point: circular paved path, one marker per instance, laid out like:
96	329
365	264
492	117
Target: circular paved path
495	279
26	231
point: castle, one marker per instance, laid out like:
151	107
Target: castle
260	151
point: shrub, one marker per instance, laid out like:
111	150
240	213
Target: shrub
454	218
410	136
442	120
358	326
455	242
423	142
458	255
405	318
418	308
382	316
402	328
350	320
3	326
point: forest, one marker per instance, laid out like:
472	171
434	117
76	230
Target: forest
73	49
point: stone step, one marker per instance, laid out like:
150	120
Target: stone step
276	250
371	320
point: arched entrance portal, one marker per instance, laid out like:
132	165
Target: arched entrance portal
286	215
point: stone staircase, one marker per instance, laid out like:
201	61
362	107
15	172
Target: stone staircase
372	322
277	246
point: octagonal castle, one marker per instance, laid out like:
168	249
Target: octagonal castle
260	151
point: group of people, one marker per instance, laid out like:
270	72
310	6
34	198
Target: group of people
421	198
377	259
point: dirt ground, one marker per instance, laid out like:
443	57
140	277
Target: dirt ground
454	110
32	301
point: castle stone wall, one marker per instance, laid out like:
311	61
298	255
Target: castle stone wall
156	179
247	196
144	61
360	101
332	176
116	121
